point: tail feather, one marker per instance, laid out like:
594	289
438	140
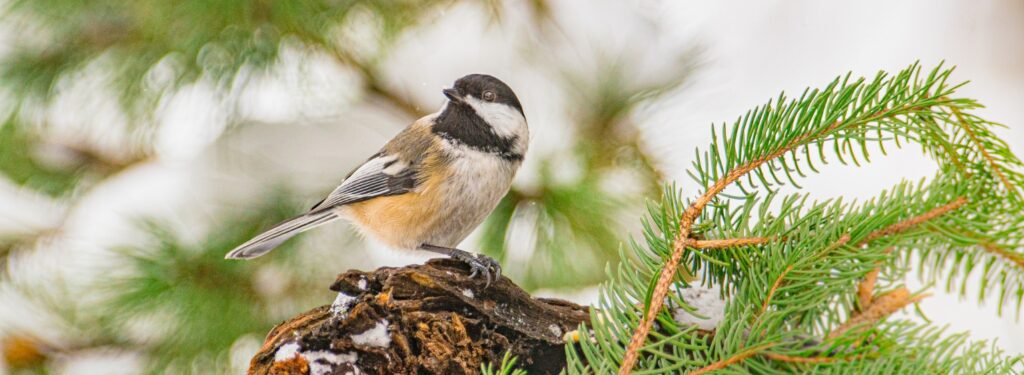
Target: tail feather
270	239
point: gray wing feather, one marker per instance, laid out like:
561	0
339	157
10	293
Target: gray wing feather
270	239
380	176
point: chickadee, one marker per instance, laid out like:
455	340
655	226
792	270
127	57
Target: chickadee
432	184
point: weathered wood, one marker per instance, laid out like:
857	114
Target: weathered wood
421	319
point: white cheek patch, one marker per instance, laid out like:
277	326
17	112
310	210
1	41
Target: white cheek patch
505	120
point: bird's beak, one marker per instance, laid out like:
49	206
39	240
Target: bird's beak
453	94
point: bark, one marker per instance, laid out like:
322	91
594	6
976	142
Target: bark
421	319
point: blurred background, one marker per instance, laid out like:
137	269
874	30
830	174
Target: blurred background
140	141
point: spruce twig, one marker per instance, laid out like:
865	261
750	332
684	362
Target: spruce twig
816	251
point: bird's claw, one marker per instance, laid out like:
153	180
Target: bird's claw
480	265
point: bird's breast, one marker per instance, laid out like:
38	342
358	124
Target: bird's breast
478	181
456	197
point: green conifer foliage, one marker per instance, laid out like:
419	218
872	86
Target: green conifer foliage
809	283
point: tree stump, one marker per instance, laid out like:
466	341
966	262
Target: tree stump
421	319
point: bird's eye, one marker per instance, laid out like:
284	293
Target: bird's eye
488	96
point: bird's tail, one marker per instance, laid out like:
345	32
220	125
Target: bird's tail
270	239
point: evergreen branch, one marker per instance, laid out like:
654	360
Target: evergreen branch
204	40
866	288
775	287
506	367
841	241
1014	258
739	357
955	252
812	109
810	360
981	147
682	239
881	307
912	222
727	243
828	247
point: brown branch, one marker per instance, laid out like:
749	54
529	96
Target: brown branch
775	286
842	240
376	87
995	249
421	319
984	152
914	221
881	307
727	243
810	360
739	357
1016	259
866	288
373	84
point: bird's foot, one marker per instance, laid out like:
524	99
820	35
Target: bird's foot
479	264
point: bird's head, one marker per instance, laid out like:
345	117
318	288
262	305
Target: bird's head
490	99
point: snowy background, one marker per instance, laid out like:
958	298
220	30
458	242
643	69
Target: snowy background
308	122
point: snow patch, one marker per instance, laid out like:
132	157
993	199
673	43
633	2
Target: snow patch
468	293
709	306
557	331
322	362
286	351
377	336
341	304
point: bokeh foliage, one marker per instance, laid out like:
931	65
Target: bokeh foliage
204	303
199	39
195	308
18	164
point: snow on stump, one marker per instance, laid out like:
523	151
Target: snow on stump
421	319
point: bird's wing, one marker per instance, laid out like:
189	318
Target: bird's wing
380	176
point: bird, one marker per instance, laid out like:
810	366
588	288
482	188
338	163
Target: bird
433	183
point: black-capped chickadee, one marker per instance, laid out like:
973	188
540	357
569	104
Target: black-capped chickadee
432	184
